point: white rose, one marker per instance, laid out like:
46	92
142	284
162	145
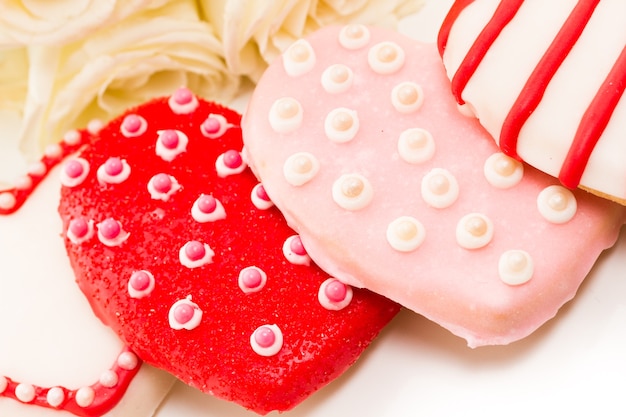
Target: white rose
144	56
29	22
255	32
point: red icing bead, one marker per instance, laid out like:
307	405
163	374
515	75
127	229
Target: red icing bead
232	159
260	192
207	204
132	123
251	278
183	313
74	169
79	227
113	166
211	125
195	250
336	291
183	96
140	280
264	336
110	228
296	246
169	139
162	183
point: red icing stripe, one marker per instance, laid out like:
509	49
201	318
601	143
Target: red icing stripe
448	22
505	11
536	85
593	123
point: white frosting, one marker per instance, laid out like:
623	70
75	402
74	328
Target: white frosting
158	195
168	154
416	145
143	126
341	125
502	171
405	234
337	78
300	168
95	126
286	115
72	137
7	200
407	97
120	238
291	256
25	392
557	204
474	231
440	188
53	151
267	350
241	280
354	36
352	192
335	305
141	293
70	181
109	378
200	216
55	396
85	396
105	178
299	58
386	57
515	267
260	203
191	263
77	240
183	108
224	170
194	320
222	126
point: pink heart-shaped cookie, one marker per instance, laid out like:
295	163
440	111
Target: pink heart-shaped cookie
358	141
181	252
56	358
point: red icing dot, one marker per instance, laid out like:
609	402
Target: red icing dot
207	204
169	139
140	280
296	246
260	192
162	183
183	96
232	159
110	228
183	313
336	291
132	123
113	166
251	278
195	250
264	336
79	227
211	125
74	169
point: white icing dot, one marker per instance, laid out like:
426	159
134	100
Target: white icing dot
194	254
354	36
474	231
109	379
37	169
407	97
25	392
113	171
252	279
162	187
85	396
74	172
416	145
55	396
337	79
341	125
111	233
185	314
53	151
352	192
267	340
285	115
230	162
4	383
439	188
7	200
127	361
299	58
141	284
259	197
215	126
515	267
24	182
133	125
502	171
72	137
207	209
386	57
557	204
183	101
334	294
80	230
170	143
294	251
95	126
300	168
406	234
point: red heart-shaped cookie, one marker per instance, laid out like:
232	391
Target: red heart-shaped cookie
358	141
181	253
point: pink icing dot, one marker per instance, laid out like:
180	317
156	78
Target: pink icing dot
207	204
169	139
336	291
74	169
251	278
296	246
183	96
264	336
79	227
232	159
211	125
260	192
132	123
113	166
162	183
195	250
183	313
140	280
110	228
